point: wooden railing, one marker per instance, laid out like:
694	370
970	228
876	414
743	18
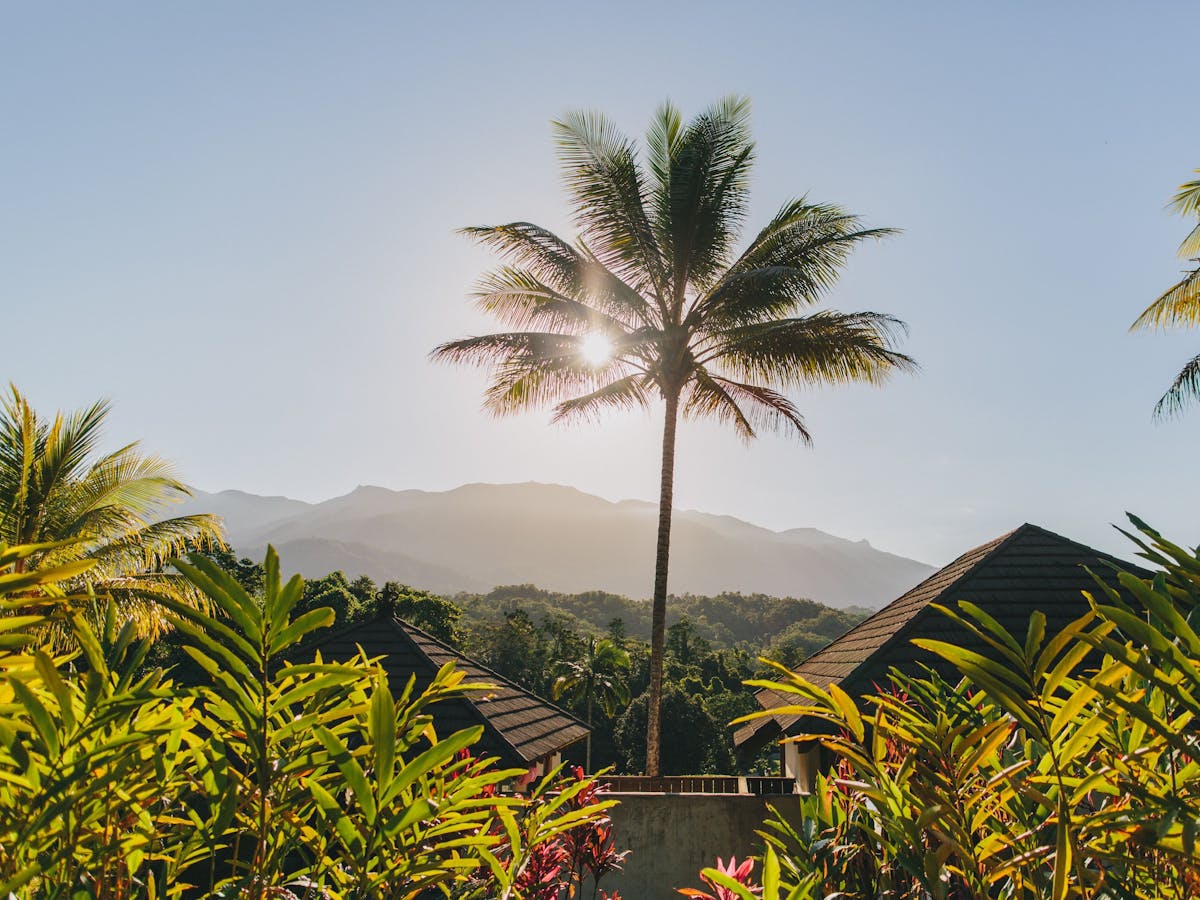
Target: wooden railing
758	785
770	785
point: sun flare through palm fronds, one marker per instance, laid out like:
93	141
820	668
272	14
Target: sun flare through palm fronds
654	300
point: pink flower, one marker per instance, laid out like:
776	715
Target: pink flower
739	873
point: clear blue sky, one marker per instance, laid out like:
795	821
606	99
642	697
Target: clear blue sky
237	221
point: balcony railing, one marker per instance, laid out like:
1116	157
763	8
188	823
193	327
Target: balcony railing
756	785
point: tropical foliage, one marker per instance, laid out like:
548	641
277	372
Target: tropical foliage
598	675
275	777
653	302
525	634
1179	305
734	881
58	489
790	627
1064	765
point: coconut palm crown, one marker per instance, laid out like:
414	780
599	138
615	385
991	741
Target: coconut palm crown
598	675
1179	305
654	302
58	489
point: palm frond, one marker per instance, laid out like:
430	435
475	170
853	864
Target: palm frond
1178	306
138	597
21	435
37	457
71	441
823	348
573	271
521	385
747	407
1186	201
705	398
793	261
139	546
135	485
662	142
1183	390
517	298
1190	248
534	346
532	369
755	295
80	506
700	207
601	172
625	393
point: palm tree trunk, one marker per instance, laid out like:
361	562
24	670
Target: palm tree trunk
659	610
587	760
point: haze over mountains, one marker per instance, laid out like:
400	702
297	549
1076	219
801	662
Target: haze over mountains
478	536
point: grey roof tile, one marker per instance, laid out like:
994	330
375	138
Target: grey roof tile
1027	569
519	727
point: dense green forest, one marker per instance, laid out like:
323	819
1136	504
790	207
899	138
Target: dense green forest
533	636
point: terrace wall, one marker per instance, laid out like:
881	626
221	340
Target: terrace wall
673	836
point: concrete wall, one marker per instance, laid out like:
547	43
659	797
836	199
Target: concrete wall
673	836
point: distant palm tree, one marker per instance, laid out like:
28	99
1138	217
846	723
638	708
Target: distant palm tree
599	675
652	301
1179	305
56	486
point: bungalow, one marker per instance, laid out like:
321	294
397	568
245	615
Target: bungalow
1025	570
519	728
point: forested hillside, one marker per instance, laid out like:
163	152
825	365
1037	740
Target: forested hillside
791	628
537	637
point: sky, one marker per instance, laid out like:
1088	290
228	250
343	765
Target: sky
237	221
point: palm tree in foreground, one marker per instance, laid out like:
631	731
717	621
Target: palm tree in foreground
1179	305
55	486
653	302
599	675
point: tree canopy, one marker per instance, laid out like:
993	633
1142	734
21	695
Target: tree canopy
654	302
59	487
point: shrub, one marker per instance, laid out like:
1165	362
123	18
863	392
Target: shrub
1067	766
272	778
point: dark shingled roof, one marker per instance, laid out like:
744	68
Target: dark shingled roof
518	727
1025	570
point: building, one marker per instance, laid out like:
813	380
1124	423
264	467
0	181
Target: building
1009	578
519	728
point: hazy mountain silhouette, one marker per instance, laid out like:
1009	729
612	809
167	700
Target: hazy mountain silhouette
481	535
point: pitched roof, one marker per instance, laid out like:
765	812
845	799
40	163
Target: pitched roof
1027	569
518	727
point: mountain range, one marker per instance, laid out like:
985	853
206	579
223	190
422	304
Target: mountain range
477	536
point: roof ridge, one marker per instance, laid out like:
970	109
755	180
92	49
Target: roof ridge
901	634
426	646
1124	564
1029	564
399	625
867	622
462	657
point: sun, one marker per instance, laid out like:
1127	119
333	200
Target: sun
596	348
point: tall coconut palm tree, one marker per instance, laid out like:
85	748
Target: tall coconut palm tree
653	301
598	675
57	486
1179	305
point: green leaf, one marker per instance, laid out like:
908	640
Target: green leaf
43	722
1062	862
309	621
439	754
356	779
849	710
1035	635
382	729
225	591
